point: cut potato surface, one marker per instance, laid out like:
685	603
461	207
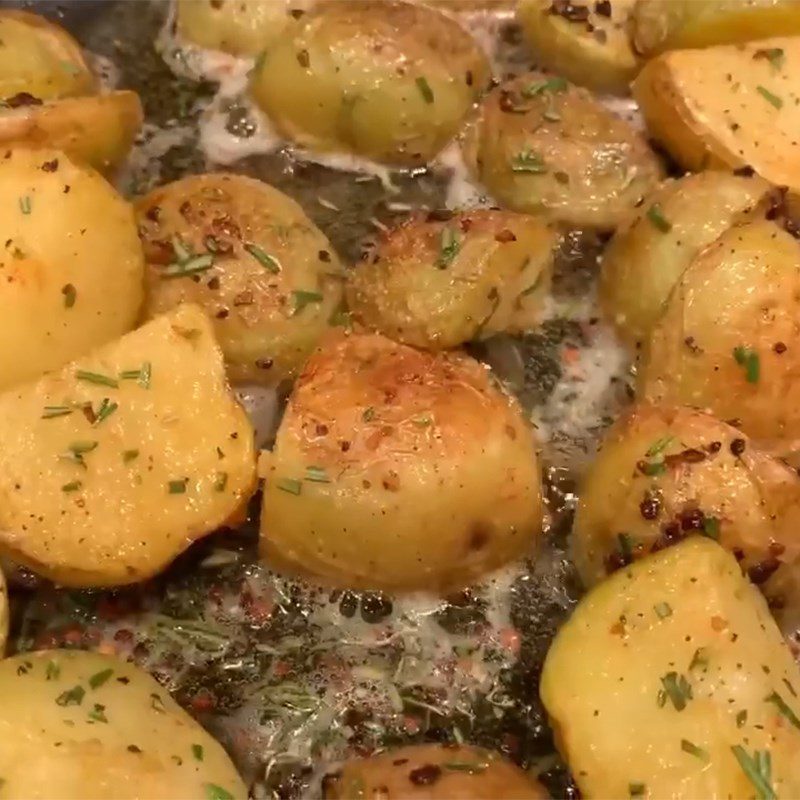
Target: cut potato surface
71	266
112	466
672	680
442	279
728	106
83	726
648	255
252	259
587	43
432	772
387	80
399	469
729	337
542	146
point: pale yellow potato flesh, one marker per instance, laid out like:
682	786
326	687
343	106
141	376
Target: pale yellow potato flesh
440	280
542	146
727	106
432	772
104	484
83	726
595	52
4	613
97	130
649	253
385	79
729	337
665	673
274	282
71	266
659	25
40	58
663	474
395	468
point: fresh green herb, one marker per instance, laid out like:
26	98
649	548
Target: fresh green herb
97	714
303	298
265	259
789	686
99	678
79	448
317	475
656	216
783	708
528	161
214	792
699	659
758	769
25	204
741	718
56	411
625	545
197	751
72	697
678	689
340	317
637	790
141	376
72	486
659	446
748	359
711	527
368	415
425	89
96	378
449	245
53	671
289	485
663	610
177	486
554	85
107	408
472	768
771	98
654	468
182	252
693	750
70	295
774	55
221	482
191	266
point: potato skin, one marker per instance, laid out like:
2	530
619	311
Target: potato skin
739	296
432	772
441	279
148	478
394	468
98	130
98	728
72	265
40	58
558	153
387	80
643	262
269	316
683	617
595	52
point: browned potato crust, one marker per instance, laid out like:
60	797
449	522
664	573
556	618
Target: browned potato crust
432	772
442	279
395	468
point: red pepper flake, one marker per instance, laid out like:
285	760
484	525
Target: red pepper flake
203	701
779	348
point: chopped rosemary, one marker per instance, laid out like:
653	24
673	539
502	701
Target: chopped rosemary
758	769
177	486
783	708
97	714
317	475
659	446
290	485
72	697
265	259
625	545
141	376
56	411
677	689
449	245
771	98
107	408
214	792
303	298
663	610
72	486
657	218
528	161
99	678
96	378
699	659
654	468
53	671
748	359
182	252
191	266
425	89
693	750
197	751
466	766
221	482
711	527
774	55
555	84
25	204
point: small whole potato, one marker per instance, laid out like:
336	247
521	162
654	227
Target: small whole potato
71	266
387	80
395	468
442	279
432	772
729	338
248	254
649	253
542	146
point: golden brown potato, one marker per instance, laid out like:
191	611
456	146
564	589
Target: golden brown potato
671	679
40	59
587	42
666	473
83	726
648	255
239	27
383	79
98	131
728	339
252	259
542	146
432	772
71	266
115	464
442	279
398	469
727	106
670	24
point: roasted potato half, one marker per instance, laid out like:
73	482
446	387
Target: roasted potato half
83	726
671	679
252	259
115	464
649	254
542	146
3	614
665	473
587	43
432	772
394	468
40	59
729	337
387	80
671	24
442	279
98	130
71	266
727	106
